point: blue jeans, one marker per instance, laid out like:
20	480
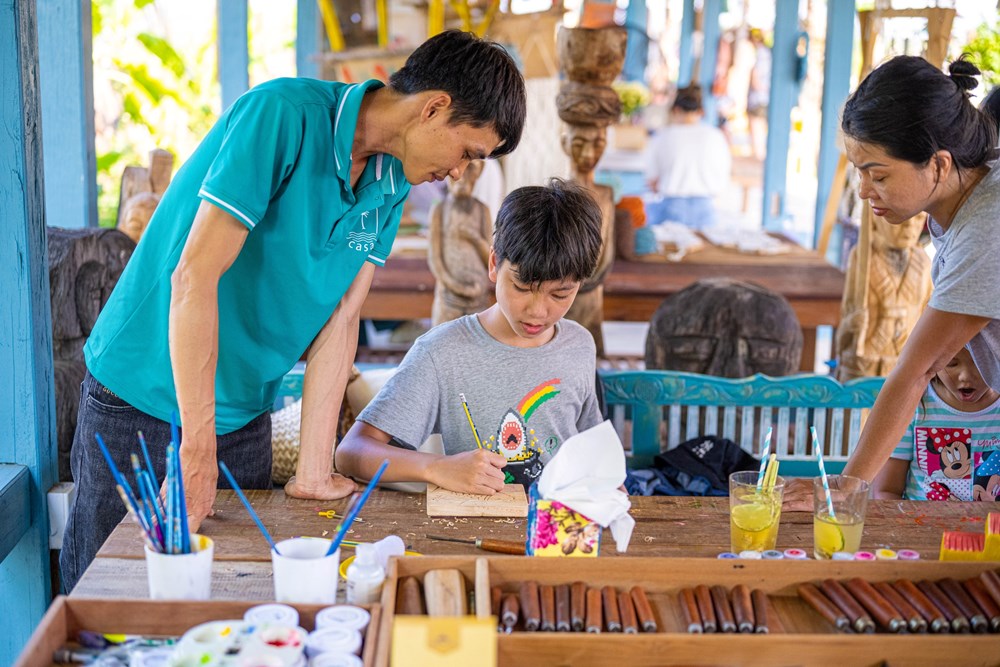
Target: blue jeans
693	212
98	507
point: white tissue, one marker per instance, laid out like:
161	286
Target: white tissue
585	474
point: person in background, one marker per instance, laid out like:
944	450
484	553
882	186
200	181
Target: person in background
688	164
759	93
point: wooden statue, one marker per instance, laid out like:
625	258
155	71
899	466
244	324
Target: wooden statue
887	287
141	190
84	266
461	233
591	60
725	328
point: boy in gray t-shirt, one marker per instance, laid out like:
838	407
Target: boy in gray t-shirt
526	374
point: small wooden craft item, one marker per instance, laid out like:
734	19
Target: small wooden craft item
444	591
511	502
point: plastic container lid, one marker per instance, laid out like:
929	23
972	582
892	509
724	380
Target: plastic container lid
725	555
864	555
749	554
908	554
772	554
336	660
842	555
796	554
272	613
886	554
333	640
344	616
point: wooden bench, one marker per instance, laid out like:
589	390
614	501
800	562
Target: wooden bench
653	411
657	410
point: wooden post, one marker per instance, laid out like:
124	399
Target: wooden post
637	50
27	416
784	91
66	74
836	86
306	39
233	50
686	66
709	54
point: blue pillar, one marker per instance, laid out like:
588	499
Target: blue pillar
306	39
686	64
66	74
637	51
784	93
709	55
836	86
27	412
233	50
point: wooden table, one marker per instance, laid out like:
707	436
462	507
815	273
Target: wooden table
665	526
404	287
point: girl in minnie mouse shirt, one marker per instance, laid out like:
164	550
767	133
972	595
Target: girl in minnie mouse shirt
950	450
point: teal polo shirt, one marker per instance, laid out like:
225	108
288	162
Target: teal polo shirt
278	161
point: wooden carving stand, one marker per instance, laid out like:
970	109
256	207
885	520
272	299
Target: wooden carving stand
511	502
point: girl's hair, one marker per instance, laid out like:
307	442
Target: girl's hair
912	110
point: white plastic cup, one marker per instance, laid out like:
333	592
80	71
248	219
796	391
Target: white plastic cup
344	616
181	576
333	640
303	572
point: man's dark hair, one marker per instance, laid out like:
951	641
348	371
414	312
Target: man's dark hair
912	110
482	79
688	98
549	233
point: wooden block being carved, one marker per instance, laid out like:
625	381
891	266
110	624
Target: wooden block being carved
511	502
444	591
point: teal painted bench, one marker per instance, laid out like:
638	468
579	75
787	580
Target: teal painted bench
653	411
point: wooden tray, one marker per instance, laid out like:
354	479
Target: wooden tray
808	639
68	615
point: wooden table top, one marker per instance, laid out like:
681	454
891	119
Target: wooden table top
665	526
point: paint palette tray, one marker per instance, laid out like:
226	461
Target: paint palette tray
799	635
203	627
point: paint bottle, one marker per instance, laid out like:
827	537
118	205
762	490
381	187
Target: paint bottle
365	576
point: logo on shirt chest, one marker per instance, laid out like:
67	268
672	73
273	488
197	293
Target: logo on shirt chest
363	239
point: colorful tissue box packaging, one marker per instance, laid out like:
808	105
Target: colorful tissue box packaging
554	529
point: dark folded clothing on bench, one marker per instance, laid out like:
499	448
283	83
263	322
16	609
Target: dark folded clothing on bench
698	467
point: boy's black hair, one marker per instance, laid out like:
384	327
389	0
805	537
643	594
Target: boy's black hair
550	232
482	79
912	110
688	98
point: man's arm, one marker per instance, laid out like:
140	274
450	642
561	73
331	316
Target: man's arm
365	447
328	367
213	244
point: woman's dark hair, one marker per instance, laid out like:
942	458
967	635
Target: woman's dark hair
688	99
549	233
482	79
912	110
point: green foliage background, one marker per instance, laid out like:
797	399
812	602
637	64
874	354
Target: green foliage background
984	50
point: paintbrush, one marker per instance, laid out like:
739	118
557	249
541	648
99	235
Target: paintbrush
497	546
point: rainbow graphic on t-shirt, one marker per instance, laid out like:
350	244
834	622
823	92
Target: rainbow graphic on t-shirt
536	397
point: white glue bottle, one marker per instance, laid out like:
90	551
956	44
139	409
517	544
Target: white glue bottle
365	575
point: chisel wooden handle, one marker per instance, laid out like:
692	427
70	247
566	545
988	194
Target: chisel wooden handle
689	609
594	615
914	621
742	608
761	614
643	609
936	622
562	608
991	581
958	622
723	609
530	606
626	608
612	619
547	594
409	598
883	612
704	599
510	608
577	606
860	620
444	593
501	546
990	608
826	608
966	605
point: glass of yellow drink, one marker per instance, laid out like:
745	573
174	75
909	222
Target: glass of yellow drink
842	530
753	513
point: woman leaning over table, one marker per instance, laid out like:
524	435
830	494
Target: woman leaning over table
919	145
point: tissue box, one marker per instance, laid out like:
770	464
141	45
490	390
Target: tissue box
556	530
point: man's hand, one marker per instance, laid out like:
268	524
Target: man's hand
334	487
479	472
798	496
201	475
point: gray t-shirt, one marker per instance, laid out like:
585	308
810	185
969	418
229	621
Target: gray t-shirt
966	270
524	401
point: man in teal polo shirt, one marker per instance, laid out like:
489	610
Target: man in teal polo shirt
262	251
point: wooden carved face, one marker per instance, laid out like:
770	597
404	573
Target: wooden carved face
903	235
463	186
585	145
727	329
